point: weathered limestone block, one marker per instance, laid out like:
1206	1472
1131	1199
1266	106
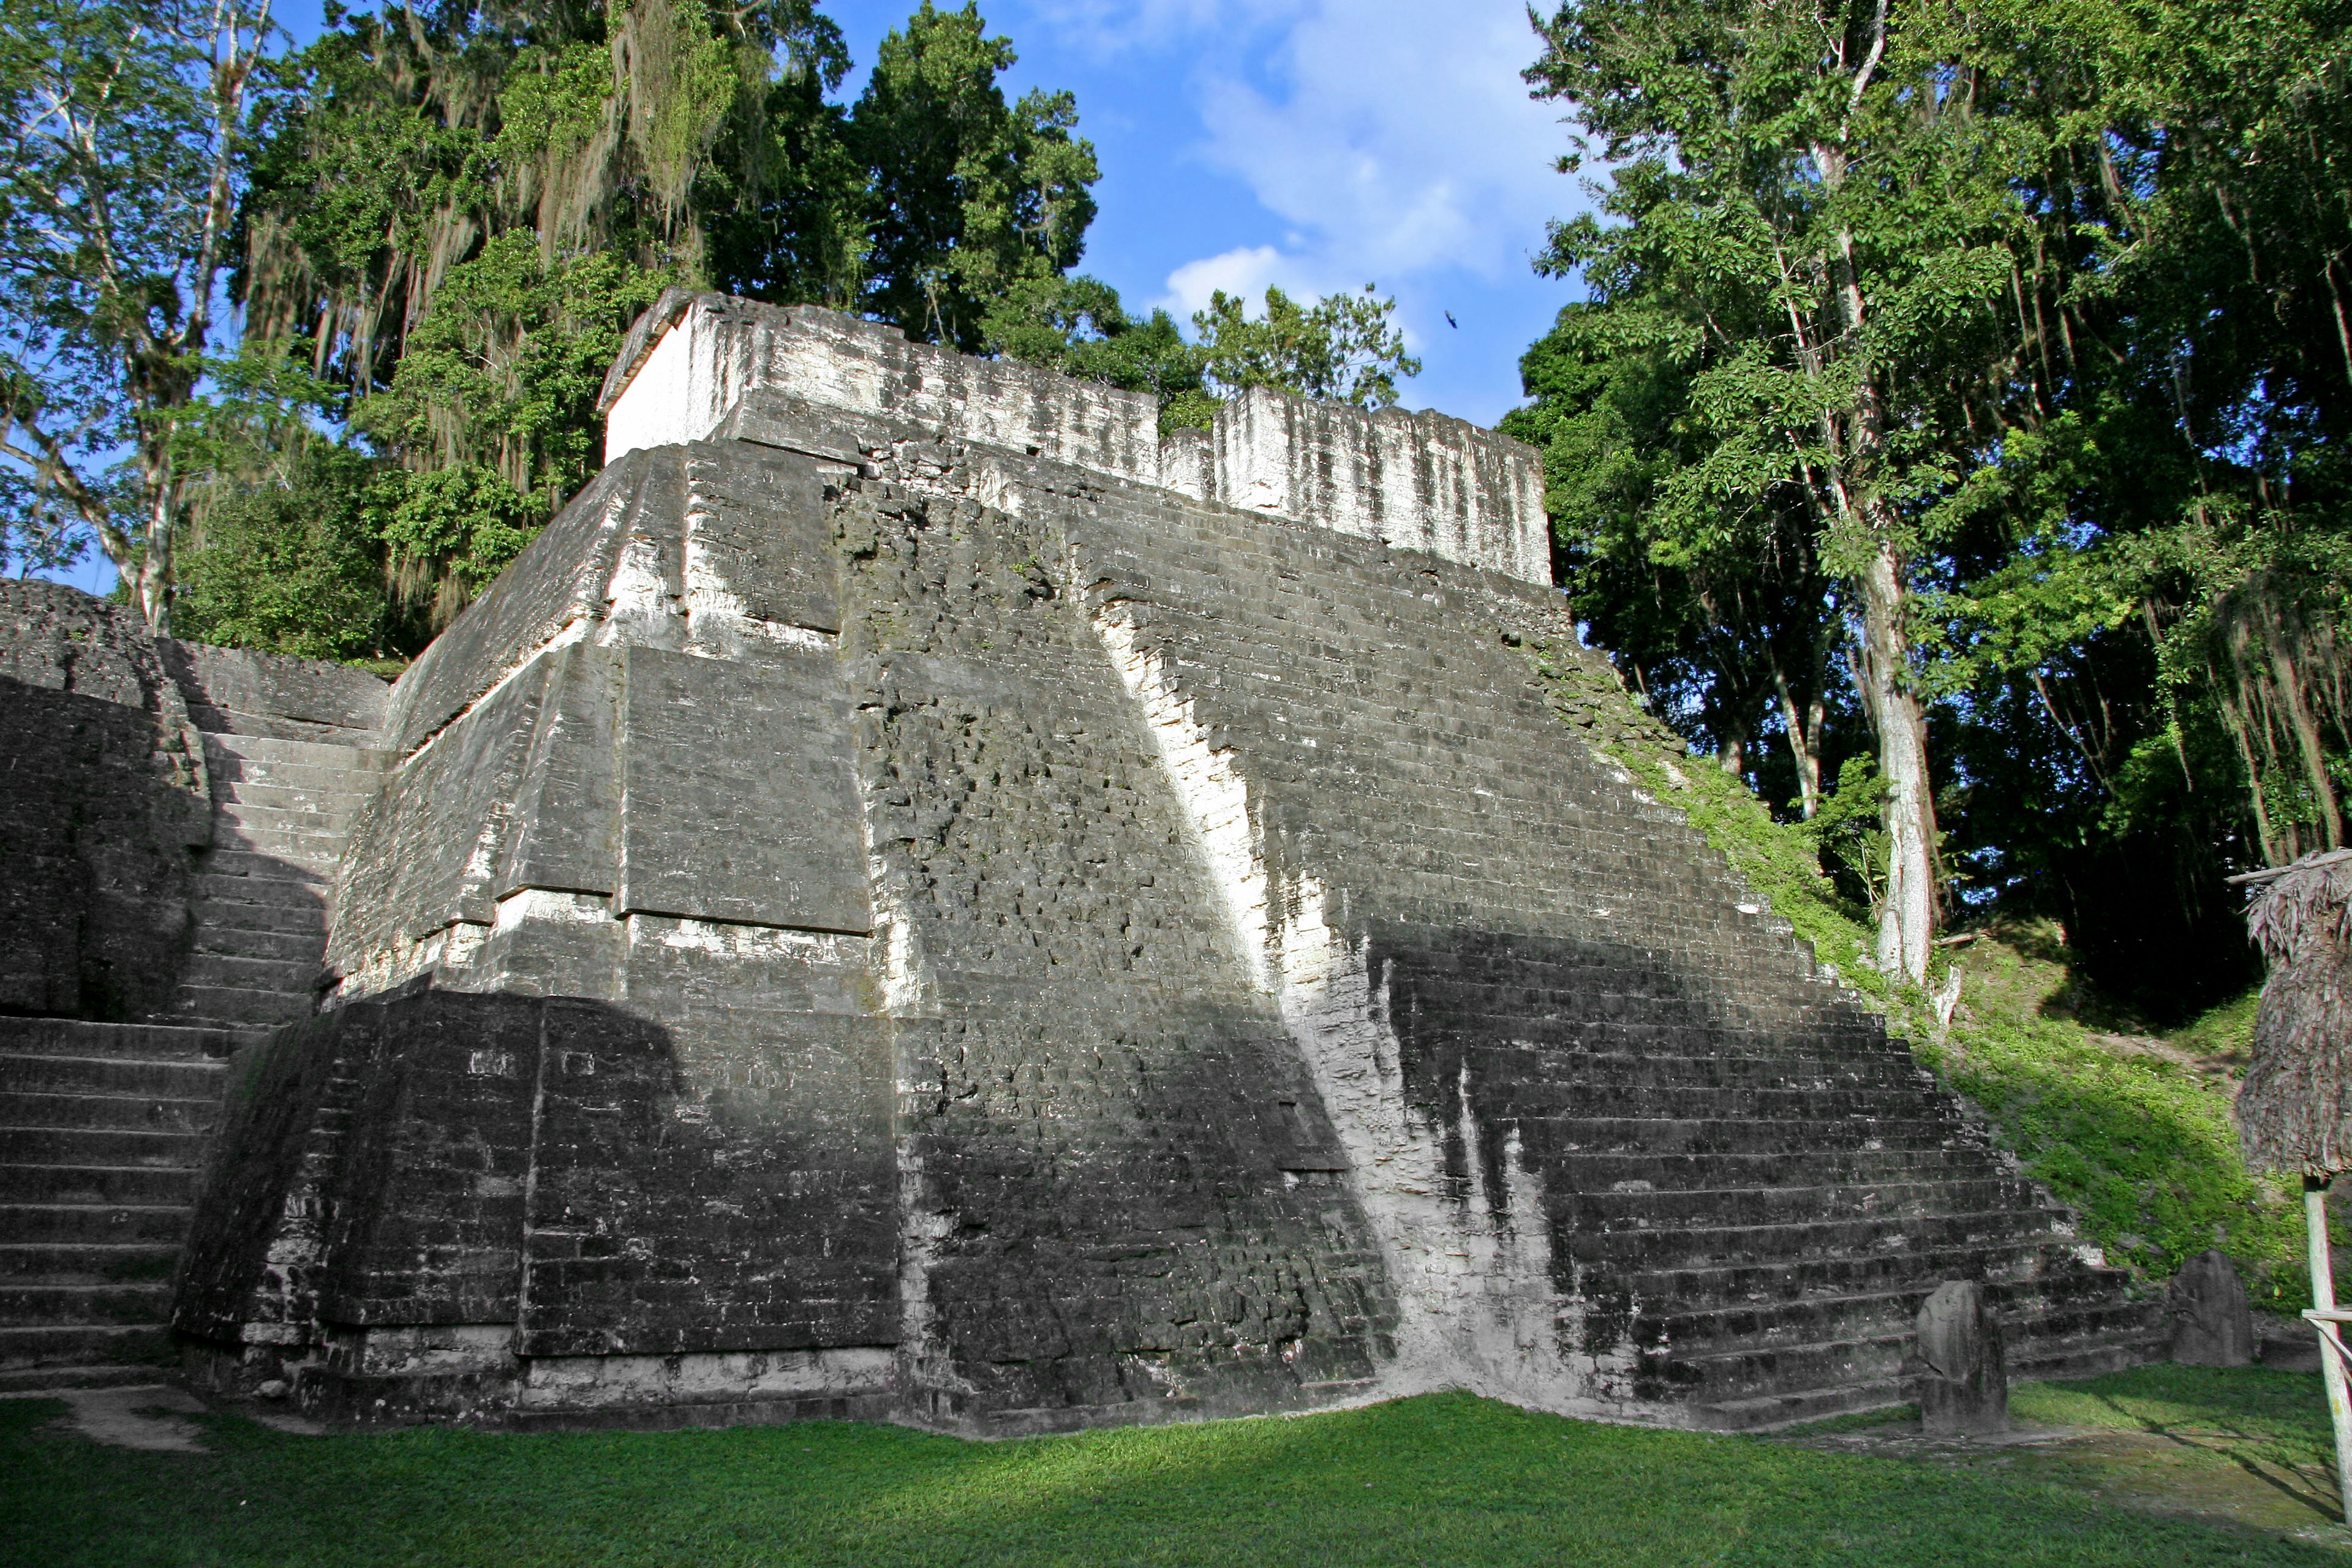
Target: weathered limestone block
1964	1391
738	801
103	798
2212	1322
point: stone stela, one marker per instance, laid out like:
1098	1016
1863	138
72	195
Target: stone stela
916	899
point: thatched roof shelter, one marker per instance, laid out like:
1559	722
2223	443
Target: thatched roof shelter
2294	1110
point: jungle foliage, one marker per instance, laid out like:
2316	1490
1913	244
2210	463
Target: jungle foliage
1992	360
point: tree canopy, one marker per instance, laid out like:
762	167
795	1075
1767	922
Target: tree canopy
1960	386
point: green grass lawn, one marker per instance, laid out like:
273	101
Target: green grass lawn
1442	1480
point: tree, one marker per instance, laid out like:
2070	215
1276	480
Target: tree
1341	349
970	199
128	127
1716	606
1809	194
1076	326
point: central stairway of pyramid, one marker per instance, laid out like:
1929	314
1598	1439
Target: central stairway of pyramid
916	899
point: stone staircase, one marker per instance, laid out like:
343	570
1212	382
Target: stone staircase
1759	1219
103	1133
103	1127
283	796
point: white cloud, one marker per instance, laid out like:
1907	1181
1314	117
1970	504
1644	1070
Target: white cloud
1246	271
1395	137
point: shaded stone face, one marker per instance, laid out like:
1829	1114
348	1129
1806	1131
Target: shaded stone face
870	914
2212	1321
102	804
1964	1387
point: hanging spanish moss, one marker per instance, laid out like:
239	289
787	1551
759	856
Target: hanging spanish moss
2280	676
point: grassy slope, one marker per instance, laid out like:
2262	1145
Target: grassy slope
2133	1133
1444	1480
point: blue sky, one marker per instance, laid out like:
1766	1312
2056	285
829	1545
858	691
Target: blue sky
1313	144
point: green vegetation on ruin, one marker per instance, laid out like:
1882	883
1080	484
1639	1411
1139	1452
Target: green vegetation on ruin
1442	1480
2129	1128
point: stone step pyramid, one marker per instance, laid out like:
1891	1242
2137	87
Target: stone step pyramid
916	899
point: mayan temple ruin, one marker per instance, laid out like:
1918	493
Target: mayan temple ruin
916	899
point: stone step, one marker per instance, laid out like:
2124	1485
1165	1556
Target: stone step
324	800
235	722
1707	1247
1558	1102
38	1073
65	1185
305	948
1839	1162
123	1374
1725	1069
300	754
231	777
307	895
1651	1208
23	1306
96	1146
1656	1136
331	821
88	1263
2116	1350
258	867
1764	1413
242	1008
113	1223
234	972
304	920
139	1042
111	1113
82	1345
1746	1373
318	852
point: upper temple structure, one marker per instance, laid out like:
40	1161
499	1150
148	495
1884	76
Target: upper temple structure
917	898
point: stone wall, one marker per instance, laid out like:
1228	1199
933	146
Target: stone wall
1419	482
695	357
102	800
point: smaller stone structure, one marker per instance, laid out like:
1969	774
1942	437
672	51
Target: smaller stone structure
170	818
105	798
2213	1323
1964	1392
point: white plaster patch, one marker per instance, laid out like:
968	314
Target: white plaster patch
727	938
535	904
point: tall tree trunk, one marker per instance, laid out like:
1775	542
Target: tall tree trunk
1804	742
1906	918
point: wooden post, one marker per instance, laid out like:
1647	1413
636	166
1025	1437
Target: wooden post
2331	1341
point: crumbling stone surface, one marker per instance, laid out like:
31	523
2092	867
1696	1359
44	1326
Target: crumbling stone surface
1964	1388
2212	1321
1034	947
102	800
